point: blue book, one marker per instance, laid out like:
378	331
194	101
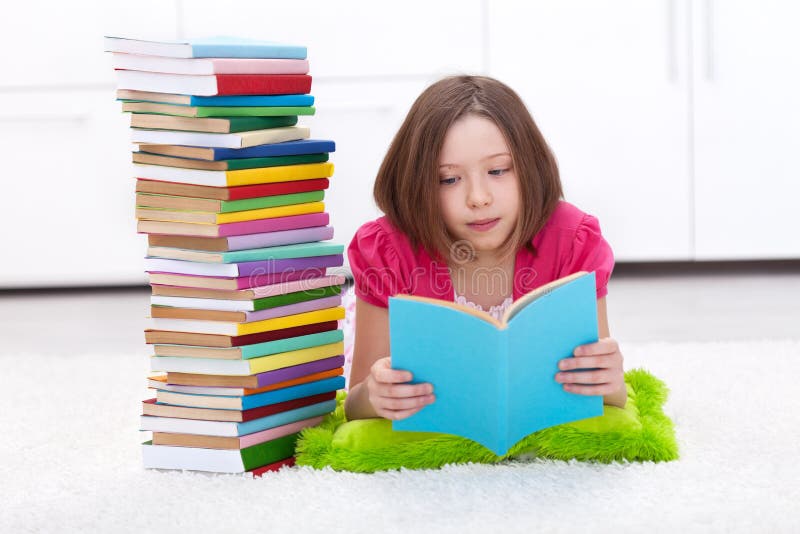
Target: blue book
129	95
248	402
219	46
494	381
287	148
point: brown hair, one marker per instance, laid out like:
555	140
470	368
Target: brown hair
406	187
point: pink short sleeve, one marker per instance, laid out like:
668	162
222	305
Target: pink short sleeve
375	264
591	252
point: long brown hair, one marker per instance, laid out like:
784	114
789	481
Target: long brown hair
406	187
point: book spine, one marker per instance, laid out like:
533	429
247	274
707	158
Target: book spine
253	84
291	222
275	266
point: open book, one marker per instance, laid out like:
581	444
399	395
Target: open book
494	381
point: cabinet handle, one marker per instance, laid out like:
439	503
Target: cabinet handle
709	40
672	61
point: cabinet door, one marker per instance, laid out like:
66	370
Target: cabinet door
607	83
747	129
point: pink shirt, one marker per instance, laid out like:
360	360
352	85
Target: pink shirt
384	264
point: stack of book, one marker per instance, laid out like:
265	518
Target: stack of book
244	315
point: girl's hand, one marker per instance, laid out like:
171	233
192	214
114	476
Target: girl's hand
598	369
391	398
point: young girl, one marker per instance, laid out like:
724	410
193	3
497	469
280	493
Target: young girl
471	194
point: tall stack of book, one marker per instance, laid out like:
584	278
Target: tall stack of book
244	315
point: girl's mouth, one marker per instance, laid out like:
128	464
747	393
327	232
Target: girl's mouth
484	224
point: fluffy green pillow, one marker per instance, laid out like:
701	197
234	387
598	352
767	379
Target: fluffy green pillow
639	432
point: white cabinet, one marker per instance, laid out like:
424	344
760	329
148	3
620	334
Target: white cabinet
747	129
675	122
607	84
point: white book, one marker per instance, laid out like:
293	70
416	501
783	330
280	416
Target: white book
206	304
152	423
208	65
196	390
227	140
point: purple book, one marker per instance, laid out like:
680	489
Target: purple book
275	224
286	237
292	309
247	268
296	371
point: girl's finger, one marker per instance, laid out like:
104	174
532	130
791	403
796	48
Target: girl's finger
606	361
389	390
600	376
606	345
391	376
407	403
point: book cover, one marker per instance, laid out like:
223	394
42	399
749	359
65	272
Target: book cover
210	217
235	283
215	111
232	428
261	175
258	380
251	401
263	303
150	407
218	460
231	193
288	148
299	250
245	268
494	381
214	84
226	328
215	47
252	366
259	292
209	124
130	95
236	442
159	383
209	340
212	140
230	244
258	226
244	317
178	203
226	165
124	61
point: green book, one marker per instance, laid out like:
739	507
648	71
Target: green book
210	124
293	298
245	124
215	111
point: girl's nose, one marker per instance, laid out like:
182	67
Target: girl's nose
479	194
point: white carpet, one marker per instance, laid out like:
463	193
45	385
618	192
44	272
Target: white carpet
70	461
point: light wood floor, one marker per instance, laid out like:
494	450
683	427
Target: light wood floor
645	304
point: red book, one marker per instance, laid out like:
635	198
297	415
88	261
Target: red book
230	193
150	407
212	340
214	84
288	462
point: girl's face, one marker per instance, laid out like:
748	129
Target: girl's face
478	186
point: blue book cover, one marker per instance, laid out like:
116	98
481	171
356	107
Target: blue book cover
216	46
284	418
494	381
237	101
287	148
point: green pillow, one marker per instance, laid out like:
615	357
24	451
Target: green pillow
639	432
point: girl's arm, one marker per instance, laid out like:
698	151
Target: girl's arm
377	390
606	376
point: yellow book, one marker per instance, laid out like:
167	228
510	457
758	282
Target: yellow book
208	217
260	175
240	329
211	366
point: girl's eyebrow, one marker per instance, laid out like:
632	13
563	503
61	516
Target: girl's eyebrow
482	159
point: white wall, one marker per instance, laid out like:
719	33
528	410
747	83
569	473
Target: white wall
673	126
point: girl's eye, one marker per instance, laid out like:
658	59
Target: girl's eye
448	181
498	172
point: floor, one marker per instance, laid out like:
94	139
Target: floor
645	304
